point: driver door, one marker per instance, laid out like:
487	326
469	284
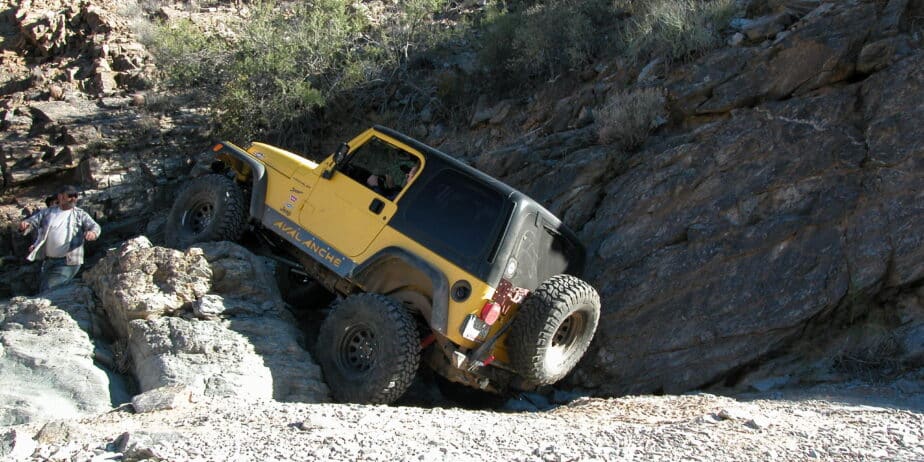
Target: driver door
345	213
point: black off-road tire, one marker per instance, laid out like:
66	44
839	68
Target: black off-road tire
552	329
369	349
208	208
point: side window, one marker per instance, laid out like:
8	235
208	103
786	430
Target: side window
381	167
457	216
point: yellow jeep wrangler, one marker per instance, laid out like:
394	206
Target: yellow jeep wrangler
431	260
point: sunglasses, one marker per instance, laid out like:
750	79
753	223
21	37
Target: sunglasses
72	195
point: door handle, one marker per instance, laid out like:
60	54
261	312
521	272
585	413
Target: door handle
376	206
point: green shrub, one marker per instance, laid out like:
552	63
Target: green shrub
628	118
188	57
544	39
278	66
675	29
288	59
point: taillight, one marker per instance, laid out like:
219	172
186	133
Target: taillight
490	312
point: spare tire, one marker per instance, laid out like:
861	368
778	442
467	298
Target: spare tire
208	208
552	329
369	349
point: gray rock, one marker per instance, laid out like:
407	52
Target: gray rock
249	358
104	82
16	444
57	432
138	281
737	39
46	358
494	114
892	16
45	31
209	306
144	445
238	273
163	398
693	86
764	27
877	55
758	423
800	8
809	57
64	113
204	355
246	344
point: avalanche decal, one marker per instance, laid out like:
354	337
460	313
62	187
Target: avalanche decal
327	255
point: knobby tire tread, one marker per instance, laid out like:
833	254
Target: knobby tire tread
231	221
539	318
407	343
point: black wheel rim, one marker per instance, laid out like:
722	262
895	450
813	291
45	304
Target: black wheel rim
566	337
356	352
198	217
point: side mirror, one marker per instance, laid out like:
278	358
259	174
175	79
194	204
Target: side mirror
339	156
341	153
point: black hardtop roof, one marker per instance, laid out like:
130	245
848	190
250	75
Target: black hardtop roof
429	151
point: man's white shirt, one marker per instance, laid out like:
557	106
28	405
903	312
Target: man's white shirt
59	239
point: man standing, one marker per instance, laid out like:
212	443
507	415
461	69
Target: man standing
61	232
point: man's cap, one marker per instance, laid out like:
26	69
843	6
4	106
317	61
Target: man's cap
68	189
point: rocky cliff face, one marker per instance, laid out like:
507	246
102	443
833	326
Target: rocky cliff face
769	232
791	209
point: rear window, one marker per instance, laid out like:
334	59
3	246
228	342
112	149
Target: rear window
458	218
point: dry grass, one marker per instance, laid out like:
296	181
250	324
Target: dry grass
676	29
628	118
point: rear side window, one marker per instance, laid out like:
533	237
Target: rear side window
458	218
542	251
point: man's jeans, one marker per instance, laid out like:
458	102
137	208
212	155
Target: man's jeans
56	272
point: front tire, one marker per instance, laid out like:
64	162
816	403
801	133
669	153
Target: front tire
369	349
208	208
553	329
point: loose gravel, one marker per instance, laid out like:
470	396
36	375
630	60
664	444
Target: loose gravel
847	422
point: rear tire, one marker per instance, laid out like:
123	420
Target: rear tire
369	349
208	208
553	329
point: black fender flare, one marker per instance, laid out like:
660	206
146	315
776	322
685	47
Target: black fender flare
258	173
439	315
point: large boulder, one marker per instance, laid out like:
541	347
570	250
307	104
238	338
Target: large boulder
47	368
139	281
209	319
